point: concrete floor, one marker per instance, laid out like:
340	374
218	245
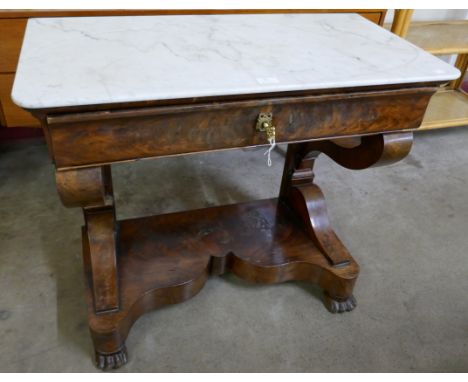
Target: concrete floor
407	225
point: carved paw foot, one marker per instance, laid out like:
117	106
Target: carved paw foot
335	306
111	361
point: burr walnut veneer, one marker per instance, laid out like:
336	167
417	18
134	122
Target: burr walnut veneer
101	117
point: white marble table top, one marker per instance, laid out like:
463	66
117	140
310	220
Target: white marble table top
100	60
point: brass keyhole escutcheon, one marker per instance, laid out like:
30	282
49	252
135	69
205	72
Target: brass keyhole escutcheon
265	123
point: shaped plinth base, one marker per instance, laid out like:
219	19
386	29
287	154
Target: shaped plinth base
166	259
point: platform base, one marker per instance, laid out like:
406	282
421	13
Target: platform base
166	259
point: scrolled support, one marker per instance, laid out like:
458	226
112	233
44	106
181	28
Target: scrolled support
91	189
367	151
86	187
299	191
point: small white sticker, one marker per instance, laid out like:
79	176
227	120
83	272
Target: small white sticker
267	80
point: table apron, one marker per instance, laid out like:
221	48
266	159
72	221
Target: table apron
94	138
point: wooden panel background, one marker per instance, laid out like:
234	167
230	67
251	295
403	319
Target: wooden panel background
12	114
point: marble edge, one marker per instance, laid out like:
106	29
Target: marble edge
32	105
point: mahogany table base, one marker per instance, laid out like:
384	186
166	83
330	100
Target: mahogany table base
137	265
166	259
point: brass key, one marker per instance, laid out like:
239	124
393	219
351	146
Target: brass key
265	123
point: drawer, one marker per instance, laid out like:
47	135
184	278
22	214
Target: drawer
90	138
11	38
13	115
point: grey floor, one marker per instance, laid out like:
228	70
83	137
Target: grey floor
407	225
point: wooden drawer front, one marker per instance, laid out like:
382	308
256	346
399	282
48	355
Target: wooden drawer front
11	38
13	115
103	137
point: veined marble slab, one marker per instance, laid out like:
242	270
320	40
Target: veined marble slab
98	60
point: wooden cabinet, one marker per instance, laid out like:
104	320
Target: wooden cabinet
11	32
11	38
13	23
13	115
